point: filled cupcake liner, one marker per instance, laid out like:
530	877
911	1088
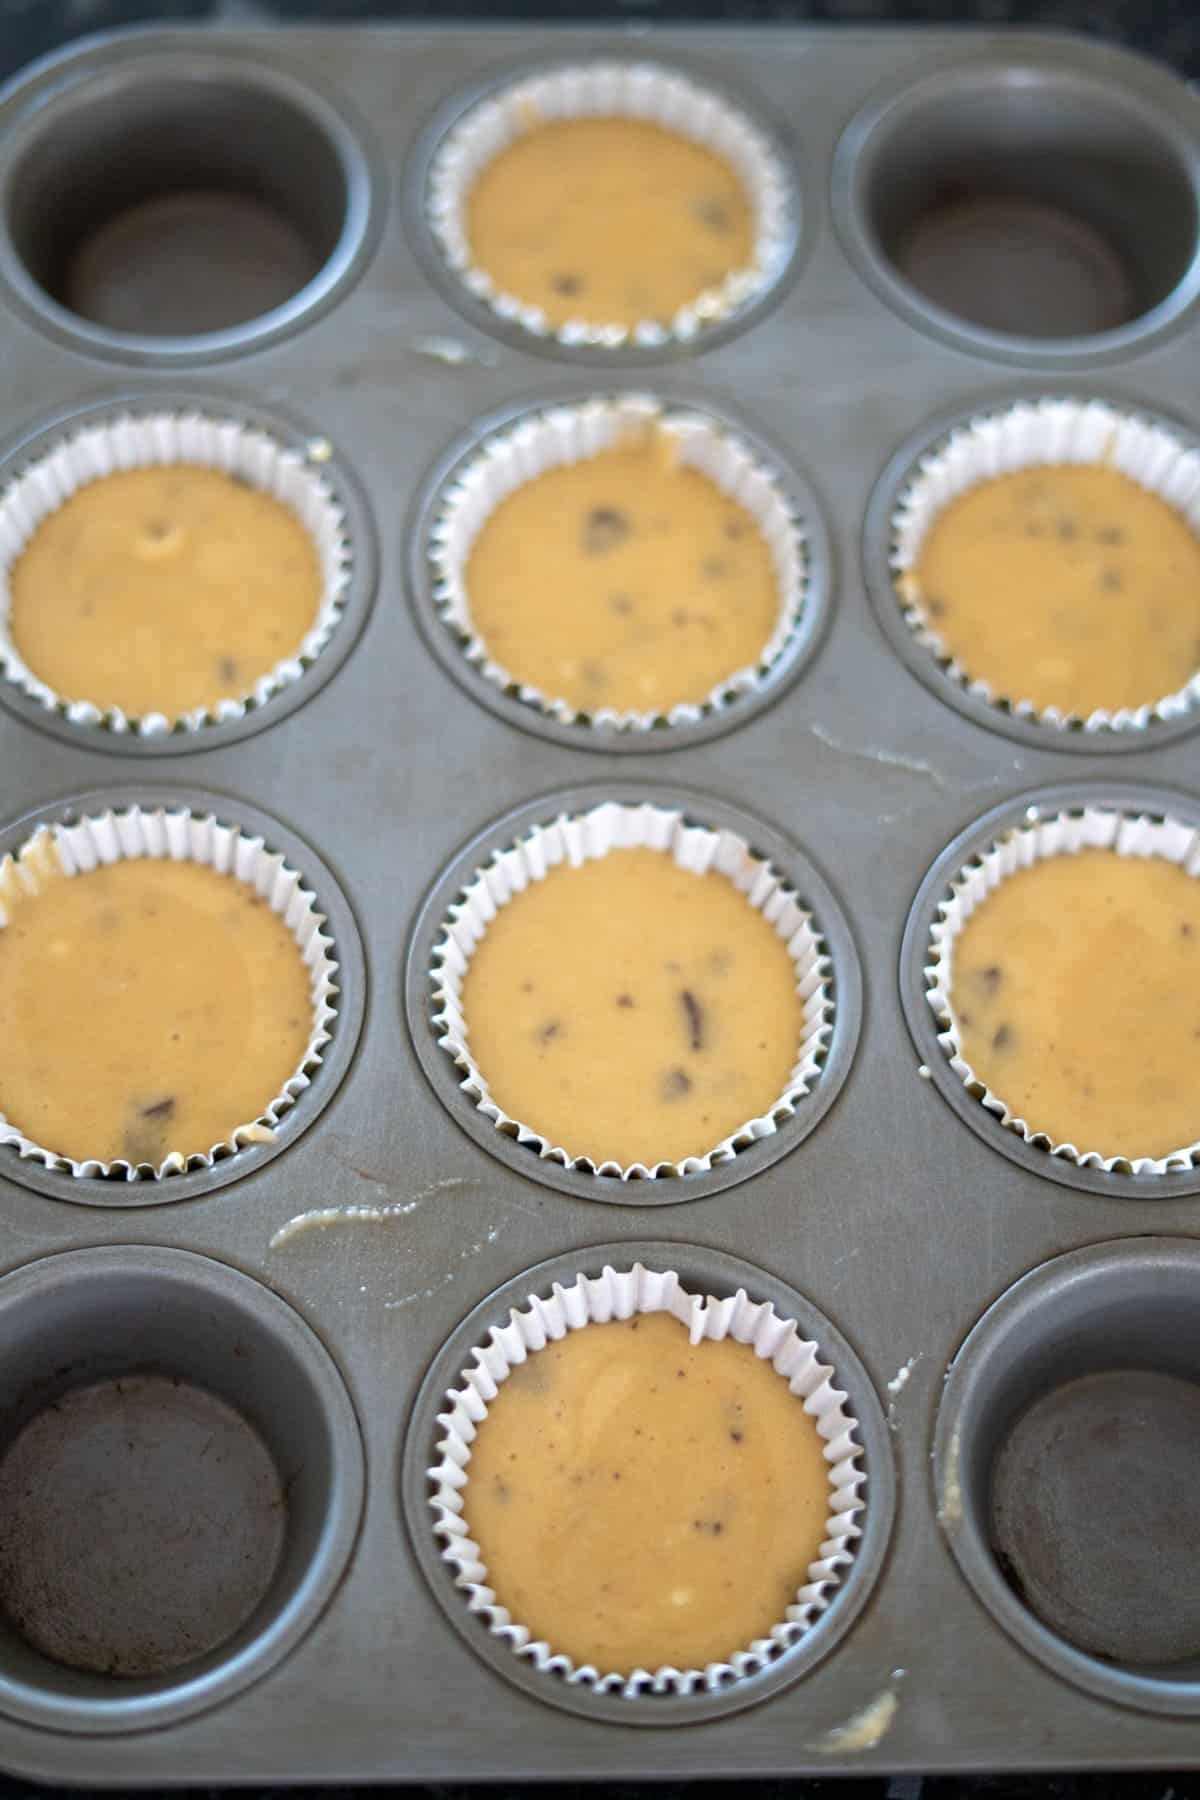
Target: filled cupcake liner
1028	435
1063	834
635	90
81	845
620	1294
562	435
697	848
156	439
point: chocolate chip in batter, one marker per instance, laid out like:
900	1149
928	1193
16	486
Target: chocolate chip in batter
594	674
1002	1037
549	1031
160	1109
935	608
227	668
693	1013
624	999
675	1084
991	977
158	529
604	528
566	284
1186	929
734	528
712	212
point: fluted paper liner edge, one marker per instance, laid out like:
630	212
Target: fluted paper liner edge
1027	435
73	848
618	1294
160	439
1062	834
581	838
637	90
561	435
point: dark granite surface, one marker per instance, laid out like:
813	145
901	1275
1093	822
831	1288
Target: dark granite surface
1169	29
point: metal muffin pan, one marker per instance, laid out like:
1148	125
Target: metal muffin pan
889	1219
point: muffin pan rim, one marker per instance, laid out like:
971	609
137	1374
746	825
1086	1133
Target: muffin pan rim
700	1270
1127	795
31	443
52	83
887	607
345	1026
1080	62
463	98
814	893
990	1333
177	1696
804	646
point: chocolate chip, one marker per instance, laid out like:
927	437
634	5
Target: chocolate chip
679	616
991	977
1002	1037
226	668
160	1109
694	1014
712	212
549	1031
676	1083
624	999
566	284
1186	929
737	1436
604	528
157	529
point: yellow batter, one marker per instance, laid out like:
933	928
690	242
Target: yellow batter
1076	988
623	581
146	1007
1071	587
160	590
608	220
631	1011
640	1501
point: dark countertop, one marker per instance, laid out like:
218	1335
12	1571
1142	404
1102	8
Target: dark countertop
1168	29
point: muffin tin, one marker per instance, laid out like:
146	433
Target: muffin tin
319	1293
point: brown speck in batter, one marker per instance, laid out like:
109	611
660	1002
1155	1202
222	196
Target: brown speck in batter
712	212
1186	929
694	1015
621	603
714	568
990	977
676	1083
1111	582
227	668
734	529
549	1031
625	1000
1002	1037
936	608
604	528
159	1109
566	284
1110	534
1067	530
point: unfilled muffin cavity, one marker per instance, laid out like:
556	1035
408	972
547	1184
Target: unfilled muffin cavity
631	1010
146	1007
626	581
611	220
1070	586
1075	991
641	1501
164	589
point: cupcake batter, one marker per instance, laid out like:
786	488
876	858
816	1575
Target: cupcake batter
625	580
160	590
632	1011
608	220
642	1501
1069	586
1076	988
146	1006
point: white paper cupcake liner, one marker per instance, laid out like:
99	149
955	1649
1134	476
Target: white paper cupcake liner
1028	435
1093	828
698	848
562	435
618	1294
633	90
111	837
145	440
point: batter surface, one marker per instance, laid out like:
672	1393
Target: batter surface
608	220
632	1011
1076	987
1071	587
624	581
640	1500
160	590
145	1007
